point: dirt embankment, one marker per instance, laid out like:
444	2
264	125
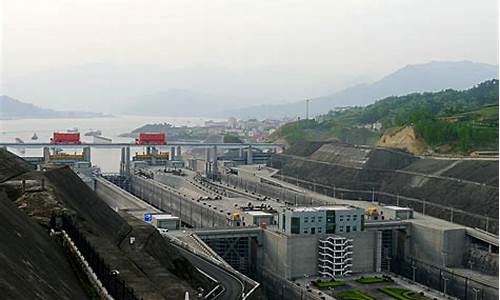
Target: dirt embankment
403	138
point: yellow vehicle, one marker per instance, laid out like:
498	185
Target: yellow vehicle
236	216
235	219
372	211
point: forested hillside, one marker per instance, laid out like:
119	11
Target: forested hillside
447	121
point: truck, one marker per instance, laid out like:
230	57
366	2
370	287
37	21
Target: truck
151	138
66	138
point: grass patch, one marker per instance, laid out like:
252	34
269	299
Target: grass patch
402	294
368	280
327	284
354	295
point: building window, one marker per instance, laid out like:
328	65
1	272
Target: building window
319	229
348	228
341	228
354	217
313	230
312	219
354	228
341	219
330	222
320	219
295	225
306	219
306	231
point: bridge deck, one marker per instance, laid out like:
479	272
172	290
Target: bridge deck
120	145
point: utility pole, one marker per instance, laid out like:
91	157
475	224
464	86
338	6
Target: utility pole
307	109
444	254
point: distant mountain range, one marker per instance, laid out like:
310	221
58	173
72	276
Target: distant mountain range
199	92
11	108
433	76
181	103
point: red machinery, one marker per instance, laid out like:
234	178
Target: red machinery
66	138
152	138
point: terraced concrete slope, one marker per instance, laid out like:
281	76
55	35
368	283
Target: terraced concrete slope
12	165
153	267
468	185
32	265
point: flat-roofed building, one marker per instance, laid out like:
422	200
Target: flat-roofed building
397	212
257	218
321	220
166	221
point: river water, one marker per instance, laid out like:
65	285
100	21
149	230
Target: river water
107	159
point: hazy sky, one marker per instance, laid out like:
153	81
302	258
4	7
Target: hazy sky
323	40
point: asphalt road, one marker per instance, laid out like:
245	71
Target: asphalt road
233	287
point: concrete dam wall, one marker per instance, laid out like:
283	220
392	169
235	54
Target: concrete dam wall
192	211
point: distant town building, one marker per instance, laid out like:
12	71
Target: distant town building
232	123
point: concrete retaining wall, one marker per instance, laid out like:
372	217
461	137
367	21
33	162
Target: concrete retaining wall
364	246
438	246
188	209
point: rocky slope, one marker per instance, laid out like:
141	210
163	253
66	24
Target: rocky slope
403	138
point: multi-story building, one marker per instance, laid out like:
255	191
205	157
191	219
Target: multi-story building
321	220
334	256
329	241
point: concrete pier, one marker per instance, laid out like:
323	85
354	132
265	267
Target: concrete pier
249	155
86	154
178	153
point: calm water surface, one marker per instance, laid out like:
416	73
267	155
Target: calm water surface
107	159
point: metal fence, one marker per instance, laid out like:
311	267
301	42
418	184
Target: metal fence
115	286
443	280
424	207
275	287
419	205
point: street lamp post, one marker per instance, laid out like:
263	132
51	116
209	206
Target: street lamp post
414	269
476	292
445	280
